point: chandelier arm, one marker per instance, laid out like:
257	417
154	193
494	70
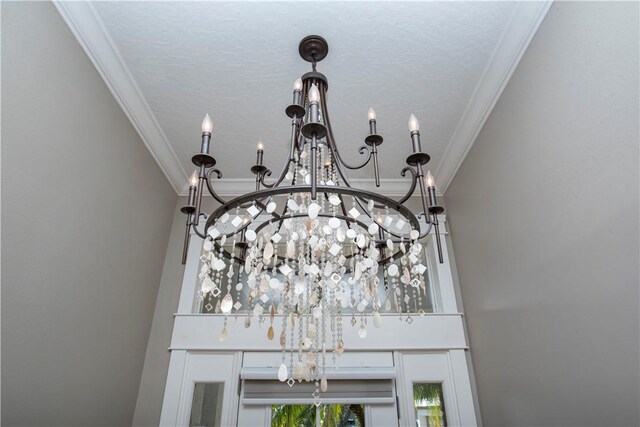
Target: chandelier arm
332	146
414	182
287	163
362	149
195	230
210	188
330	138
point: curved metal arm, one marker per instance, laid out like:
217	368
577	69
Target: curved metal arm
414	181
362	149
195	230
209	188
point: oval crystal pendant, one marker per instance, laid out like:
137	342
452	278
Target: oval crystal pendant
227	304
323	384
283	373
362	331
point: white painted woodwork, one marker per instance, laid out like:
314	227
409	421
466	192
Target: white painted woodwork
431	348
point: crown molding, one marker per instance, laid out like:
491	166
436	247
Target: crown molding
91	34
522	26
88	29
239	186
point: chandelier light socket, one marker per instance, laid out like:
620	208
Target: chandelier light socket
415	142
372	121
206	139
432	197
260	153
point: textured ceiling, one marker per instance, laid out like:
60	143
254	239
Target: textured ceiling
237	61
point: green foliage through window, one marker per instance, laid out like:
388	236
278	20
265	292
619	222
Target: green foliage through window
429	403
336	415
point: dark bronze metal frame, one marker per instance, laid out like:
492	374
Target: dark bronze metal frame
314	132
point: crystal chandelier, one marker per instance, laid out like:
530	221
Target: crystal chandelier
308	248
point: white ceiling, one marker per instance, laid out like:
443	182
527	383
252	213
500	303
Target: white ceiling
169	63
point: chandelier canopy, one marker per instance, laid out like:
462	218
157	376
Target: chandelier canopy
308	247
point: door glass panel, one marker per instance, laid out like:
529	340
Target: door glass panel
429	404
336	415
206	410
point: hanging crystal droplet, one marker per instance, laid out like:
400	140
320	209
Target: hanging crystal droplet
270	333
267	253
291	249
362	331
377	319
247	322
299	286
227	304
283	338
283	373
223	335
313	210
298	371
323	384
392	270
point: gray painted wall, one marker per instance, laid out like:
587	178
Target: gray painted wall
85	221
544	222
156	366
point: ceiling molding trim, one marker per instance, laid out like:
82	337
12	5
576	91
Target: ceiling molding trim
515	39
239	186
94	38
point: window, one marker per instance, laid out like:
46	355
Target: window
206	410
336	415
429	404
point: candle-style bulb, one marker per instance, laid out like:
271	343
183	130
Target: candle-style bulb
429	180
193	180
297	85
314	94
260	144
372	114
207	124
414	124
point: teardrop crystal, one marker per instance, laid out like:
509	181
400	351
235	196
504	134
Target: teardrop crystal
377	319
227	304
223	335
291	249
267	253
362	331
283	373
323	384
270	333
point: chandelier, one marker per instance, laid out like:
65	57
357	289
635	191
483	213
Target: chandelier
306	247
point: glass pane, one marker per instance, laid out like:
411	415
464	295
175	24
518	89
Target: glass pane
206	410
421	298
429	404
293	415
336	415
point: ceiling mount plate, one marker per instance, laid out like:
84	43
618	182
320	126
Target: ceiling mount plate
313	48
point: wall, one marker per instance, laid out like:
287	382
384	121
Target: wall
85	219
544	222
